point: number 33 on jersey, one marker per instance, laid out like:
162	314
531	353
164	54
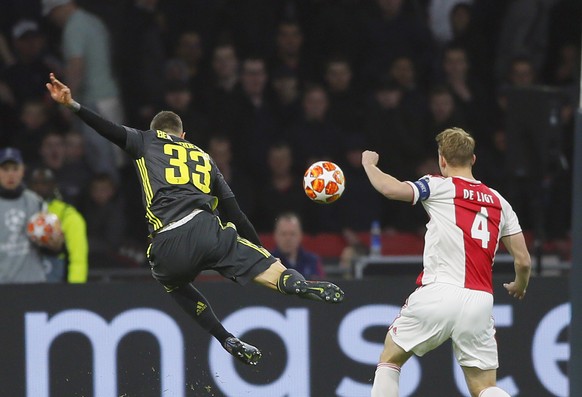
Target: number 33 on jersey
171	168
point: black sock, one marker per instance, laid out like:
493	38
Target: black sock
196	305
286	280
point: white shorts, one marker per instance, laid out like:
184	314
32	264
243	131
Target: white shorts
436	312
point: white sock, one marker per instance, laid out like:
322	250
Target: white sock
386	380
493	392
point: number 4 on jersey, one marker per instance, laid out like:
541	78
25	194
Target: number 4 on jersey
479	229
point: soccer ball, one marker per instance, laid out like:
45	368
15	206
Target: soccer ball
42	228
324	182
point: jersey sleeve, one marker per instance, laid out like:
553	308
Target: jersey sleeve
425	187
509	221
136	142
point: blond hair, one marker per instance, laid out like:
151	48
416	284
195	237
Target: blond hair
457	146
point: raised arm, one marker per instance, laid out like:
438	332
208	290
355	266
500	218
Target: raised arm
517	247
60	93
385	183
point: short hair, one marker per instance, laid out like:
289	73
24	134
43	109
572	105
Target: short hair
338	59
457	146
168	122
288	216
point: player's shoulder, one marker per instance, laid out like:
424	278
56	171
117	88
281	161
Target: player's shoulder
428	177
502	199
435	180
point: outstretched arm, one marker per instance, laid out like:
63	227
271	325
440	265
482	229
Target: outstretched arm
60	93
384	183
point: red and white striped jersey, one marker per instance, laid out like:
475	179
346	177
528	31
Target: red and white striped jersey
467	219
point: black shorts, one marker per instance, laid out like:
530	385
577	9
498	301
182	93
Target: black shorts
178	255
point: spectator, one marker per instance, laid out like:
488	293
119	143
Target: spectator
287	100
75	173
138	41
34	125
403	72
72	264
442	113
386	123
289	51
314	137
288	235
439	16
220	149
280	191
20	260
359	205
468	35
521	73
492	159
190	50
524	33
387	32
345	103
52	152
178	98
251	122
566	69
27	75
225	70
70	177
103	212
88	65
469	95
225	66
176	69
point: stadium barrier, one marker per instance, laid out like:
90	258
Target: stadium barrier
130	339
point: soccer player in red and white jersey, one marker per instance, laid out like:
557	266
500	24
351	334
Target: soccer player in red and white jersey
454	299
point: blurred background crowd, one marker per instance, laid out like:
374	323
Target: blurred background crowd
268	86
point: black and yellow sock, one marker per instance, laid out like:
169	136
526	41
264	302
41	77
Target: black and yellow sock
196	305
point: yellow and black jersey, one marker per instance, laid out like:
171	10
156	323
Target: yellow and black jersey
176	176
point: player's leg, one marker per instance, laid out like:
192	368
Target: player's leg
387	375
242	261
481	383
198	307
291	282
475	346
420	327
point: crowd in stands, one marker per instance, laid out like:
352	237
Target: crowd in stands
267	87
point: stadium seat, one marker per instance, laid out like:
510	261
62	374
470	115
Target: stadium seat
402	244
399	243
326	245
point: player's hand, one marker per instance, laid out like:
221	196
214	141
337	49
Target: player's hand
369	158
59	91
515	290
